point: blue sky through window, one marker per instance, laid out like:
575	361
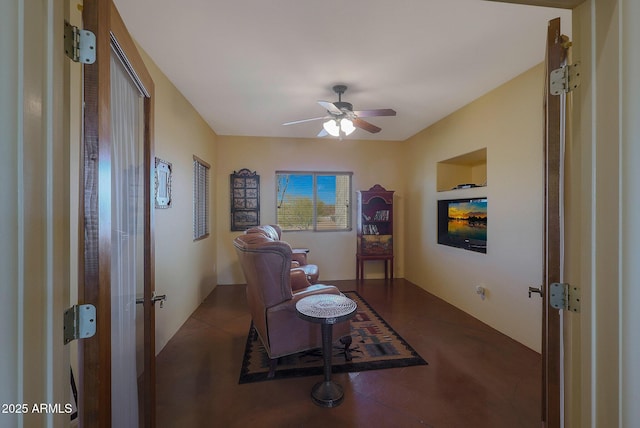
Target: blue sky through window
327	189
302	185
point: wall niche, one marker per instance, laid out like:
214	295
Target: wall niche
462	172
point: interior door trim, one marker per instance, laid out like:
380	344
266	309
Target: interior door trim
94	264
551	325
94	247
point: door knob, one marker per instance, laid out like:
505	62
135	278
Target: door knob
535	290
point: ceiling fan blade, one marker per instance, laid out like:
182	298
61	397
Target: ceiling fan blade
331	108
323	133
305	120
363	124
375	112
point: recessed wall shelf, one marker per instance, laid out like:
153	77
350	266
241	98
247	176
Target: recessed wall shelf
462	172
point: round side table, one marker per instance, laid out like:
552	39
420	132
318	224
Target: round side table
326	310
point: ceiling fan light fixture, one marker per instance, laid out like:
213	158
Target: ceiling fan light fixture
347	126
331	126
342	116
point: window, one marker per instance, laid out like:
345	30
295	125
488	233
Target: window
200	199
317	201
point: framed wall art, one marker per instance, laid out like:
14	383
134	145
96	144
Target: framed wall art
245	199
163	184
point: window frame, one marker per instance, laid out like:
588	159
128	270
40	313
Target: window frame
314	198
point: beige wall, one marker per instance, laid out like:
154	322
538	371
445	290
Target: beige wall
372	162
185	270
507	121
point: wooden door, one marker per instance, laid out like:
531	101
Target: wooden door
554	108
95	247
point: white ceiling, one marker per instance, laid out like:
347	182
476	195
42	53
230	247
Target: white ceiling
248	66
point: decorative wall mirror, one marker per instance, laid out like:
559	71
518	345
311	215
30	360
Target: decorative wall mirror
245	199
163	184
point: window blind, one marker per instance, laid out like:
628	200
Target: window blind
200	198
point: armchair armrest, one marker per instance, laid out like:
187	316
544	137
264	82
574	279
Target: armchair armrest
315	289
290	305
299	279
300	255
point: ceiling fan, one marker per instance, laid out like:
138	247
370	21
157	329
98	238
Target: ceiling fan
342	119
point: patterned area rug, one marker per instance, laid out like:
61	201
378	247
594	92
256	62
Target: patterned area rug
375	346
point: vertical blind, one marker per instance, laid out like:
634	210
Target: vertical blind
200	198
127	240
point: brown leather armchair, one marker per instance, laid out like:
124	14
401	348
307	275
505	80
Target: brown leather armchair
299	255
266	266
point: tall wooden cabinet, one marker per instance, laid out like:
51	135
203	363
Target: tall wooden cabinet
375	228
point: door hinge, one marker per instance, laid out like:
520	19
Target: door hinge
565	79
79	45
79	322
564	296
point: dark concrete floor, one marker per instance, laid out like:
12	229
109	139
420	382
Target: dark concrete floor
476	377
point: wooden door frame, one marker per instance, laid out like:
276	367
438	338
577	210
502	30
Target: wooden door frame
94	266
94	246
551	338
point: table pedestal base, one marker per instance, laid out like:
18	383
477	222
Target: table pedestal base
328	310
327	394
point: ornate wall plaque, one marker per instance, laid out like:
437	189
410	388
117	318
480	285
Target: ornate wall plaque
162	180
245	199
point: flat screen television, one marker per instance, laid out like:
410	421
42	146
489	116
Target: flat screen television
462	223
